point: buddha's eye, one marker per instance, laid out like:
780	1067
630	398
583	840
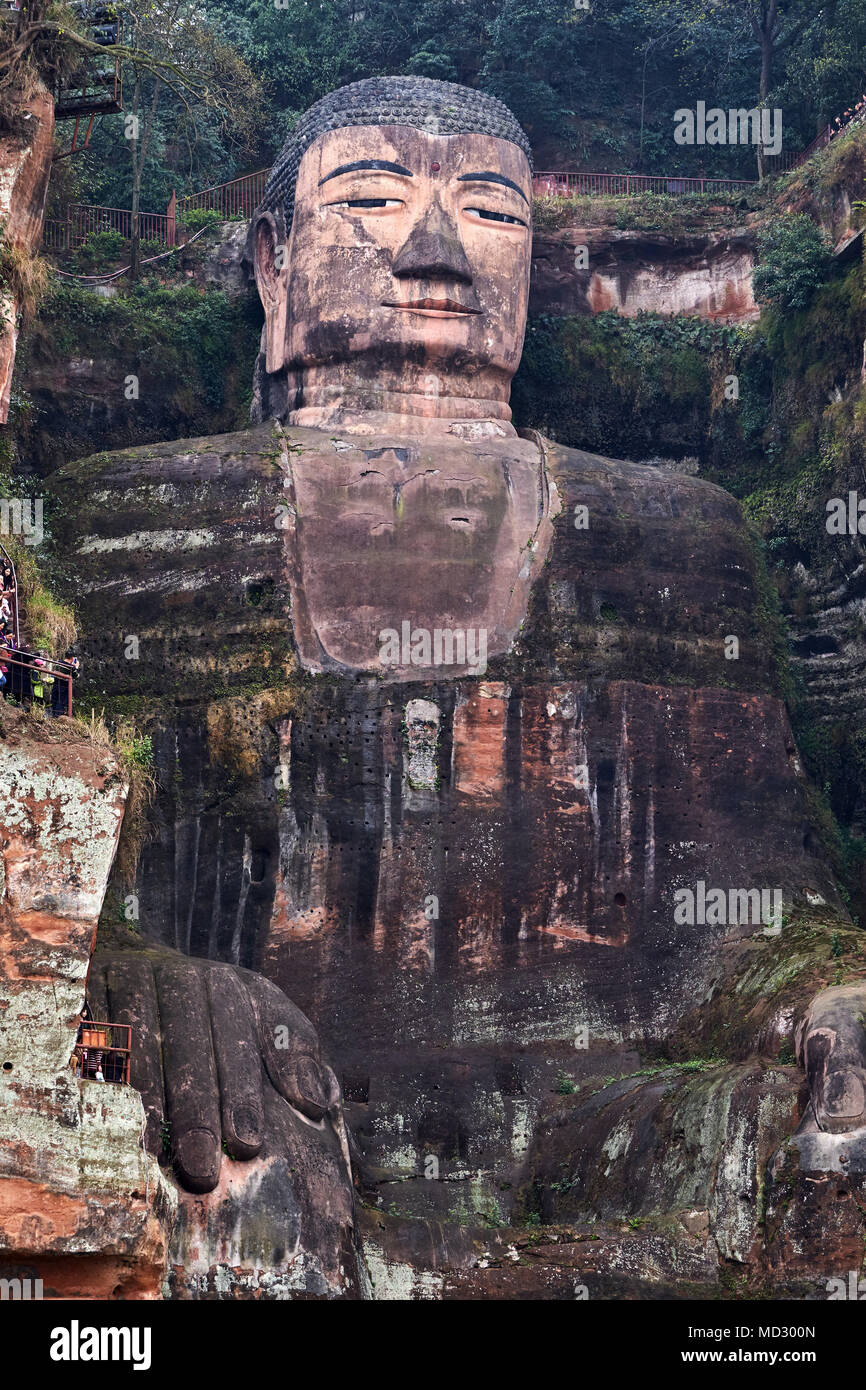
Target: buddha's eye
369	203
487	216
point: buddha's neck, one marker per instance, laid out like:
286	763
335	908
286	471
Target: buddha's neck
328	397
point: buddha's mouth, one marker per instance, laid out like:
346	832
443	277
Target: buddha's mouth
433	308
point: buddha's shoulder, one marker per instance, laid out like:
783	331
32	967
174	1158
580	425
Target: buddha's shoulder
621	488
178	543
178	462
249	457
178	517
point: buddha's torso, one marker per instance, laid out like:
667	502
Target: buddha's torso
455	869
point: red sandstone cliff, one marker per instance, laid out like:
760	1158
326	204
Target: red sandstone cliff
25	166
81	1203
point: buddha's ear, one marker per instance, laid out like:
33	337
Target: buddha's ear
271	263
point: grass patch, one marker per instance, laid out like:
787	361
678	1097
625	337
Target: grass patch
648	211
23	275
134	751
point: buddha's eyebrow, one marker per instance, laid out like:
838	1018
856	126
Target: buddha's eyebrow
385	164
487	176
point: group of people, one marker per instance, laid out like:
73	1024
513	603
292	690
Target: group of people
26	676
34	677
7	594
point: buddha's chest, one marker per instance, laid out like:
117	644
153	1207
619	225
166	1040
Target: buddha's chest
410	560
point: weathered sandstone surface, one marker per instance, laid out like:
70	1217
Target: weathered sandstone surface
705	275
303	827
25	164
82	1206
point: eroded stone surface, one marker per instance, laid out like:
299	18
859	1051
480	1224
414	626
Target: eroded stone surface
705	275
25	164
79	1198
241	1105
564	807
485	922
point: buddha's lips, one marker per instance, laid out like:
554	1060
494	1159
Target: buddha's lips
438	308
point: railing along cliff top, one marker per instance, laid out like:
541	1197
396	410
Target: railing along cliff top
556	183
22	676
241	196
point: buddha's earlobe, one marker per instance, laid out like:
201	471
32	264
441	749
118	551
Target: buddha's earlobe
271	259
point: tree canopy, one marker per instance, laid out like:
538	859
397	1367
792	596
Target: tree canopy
595	82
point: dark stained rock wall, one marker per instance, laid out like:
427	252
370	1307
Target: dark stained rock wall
465	942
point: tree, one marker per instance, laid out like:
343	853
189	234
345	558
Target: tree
177	51
827	62
772	26
171	50
47	38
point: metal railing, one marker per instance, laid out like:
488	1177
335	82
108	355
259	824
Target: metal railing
95	87
29	684
790	159
100	1055
559	184
782	163
241	195
84	220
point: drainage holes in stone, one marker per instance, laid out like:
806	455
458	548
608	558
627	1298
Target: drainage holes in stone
619	899
7	1066
256	592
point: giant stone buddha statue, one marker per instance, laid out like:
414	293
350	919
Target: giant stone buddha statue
505	806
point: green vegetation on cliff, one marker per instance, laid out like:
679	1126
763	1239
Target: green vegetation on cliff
48	624
628	388
159	361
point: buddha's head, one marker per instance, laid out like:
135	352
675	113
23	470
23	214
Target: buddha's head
392	254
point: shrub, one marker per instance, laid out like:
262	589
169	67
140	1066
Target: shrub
50	624
23	275
196	218
629	388
794	261
100	249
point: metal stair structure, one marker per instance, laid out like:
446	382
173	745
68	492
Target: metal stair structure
95	87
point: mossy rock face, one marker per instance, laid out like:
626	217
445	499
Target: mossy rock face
650	574
813	425
632	388
178	546
153	362
790	442
287	836
689	1143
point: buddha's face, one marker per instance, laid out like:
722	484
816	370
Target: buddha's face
406	273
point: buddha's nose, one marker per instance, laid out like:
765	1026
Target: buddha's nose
433	251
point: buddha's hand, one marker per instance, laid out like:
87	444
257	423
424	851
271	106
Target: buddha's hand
831	1046
208	1040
